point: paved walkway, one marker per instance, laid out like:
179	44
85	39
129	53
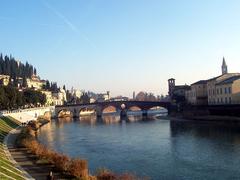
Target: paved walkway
29	162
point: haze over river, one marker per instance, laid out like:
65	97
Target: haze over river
153	147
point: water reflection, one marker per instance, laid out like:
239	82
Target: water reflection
90	119
204	129
114	118
61	121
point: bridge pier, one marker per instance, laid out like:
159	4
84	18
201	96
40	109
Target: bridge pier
144	113
99	114
123	114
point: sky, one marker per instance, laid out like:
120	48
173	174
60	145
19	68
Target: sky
122	45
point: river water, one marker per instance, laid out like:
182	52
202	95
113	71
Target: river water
153	147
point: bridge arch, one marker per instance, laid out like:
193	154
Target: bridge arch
64	113
109	109
134	108
87	111
48	114
158	109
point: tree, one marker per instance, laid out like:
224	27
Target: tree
47	85
35	71
54	87
85	99
3	98
34	98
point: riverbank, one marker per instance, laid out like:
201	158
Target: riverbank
42	160
204	118
29	162
25	161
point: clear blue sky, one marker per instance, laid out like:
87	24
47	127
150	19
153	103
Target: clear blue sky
122	45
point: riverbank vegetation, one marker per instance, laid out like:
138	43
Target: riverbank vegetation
74	168
7	168
11	98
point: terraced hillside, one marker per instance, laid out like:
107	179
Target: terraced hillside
7	168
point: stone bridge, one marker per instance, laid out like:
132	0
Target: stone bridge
120	106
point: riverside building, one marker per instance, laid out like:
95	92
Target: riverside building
220	90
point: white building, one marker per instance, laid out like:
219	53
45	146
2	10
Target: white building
59	97
76	93
35	82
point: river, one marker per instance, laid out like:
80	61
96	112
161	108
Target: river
152	147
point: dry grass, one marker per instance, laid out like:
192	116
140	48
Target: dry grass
105	174
78	168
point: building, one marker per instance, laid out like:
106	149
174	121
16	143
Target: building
19	82
220	90
197	95
4	80
60	97
224	67
92	100
224	89
134	95
103	97
49	98
119	98
177	92
35	82
76	93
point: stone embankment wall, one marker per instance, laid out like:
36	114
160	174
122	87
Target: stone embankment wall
26	115
218	110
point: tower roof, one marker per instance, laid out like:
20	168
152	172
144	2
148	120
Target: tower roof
224	62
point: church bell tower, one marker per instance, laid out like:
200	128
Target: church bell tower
171	86
224	67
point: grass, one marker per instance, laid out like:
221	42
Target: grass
7	169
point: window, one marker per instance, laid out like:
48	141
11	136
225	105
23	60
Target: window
218	100
230	90
230	100
226	100
225	90
220	90
221	100
217	91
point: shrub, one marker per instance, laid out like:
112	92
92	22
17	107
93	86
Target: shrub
78	168
41	151
91	177
33	146
127	176
51	156
105	174
61	161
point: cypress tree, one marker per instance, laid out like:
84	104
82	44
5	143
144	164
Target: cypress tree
35	71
